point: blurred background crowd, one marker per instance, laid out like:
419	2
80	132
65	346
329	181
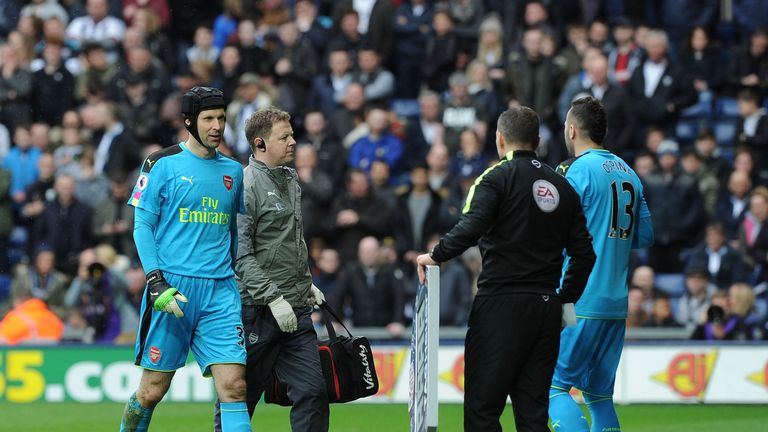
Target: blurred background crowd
394	104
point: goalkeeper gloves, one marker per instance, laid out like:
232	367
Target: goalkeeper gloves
316	298
162	296
283	313
569	315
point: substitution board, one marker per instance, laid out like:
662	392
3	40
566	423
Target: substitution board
425	344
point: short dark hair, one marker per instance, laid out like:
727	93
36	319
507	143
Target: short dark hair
705	133
645	153
314	111
590	117
521	125
259	124
92	46
749	95
441	9
716	226
353	171
350	12
337	47
690	152
368	46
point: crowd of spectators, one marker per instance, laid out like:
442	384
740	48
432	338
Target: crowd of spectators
394	104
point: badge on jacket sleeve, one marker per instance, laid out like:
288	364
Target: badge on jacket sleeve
546	195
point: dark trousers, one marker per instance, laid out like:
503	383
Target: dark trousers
293	356
511	350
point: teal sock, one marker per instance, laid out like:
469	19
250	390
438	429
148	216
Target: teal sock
564	413
135	417
234	417
603	413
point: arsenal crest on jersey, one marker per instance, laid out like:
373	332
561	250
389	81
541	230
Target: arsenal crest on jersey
154	354
228	182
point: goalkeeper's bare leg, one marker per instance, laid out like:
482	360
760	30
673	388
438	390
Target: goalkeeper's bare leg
138	411
229	380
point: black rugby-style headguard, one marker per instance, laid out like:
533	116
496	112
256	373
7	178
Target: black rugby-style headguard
199	99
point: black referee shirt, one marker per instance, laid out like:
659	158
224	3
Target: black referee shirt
524	215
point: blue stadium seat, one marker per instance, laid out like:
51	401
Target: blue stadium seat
686	131
725	133
671	283
726	108
17	245
5	287
406	108
701	110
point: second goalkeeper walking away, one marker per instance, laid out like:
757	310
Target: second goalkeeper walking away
618	219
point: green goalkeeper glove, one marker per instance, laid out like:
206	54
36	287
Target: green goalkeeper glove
162	296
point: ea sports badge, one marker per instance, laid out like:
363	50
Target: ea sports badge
546	196
228	182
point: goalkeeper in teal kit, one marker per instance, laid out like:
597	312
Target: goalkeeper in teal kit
618	219
186	199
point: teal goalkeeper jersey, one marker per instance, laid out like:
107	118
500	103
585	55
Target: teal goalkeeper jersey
612	197
197	201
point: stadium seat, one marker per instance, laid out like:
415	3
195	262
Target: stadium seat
701	110
406	108
725	133
671	283
686	130
726	108
5	287
17	245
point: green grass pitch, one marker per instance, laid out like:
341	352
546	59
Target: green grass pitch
191	417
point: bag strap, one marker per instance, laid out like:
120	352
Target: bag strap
329	325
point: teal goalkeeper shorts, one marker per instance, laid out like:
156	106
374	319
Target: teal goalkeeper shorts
589	356
211	326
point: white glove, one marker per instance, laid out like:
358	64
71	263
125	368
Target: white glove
283	313
569	315
316	298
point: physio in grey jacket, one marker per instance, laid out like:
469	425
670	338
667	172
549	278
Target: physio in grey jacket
273	275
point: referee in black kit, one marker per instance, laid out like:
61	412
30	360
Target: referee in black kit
524	215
